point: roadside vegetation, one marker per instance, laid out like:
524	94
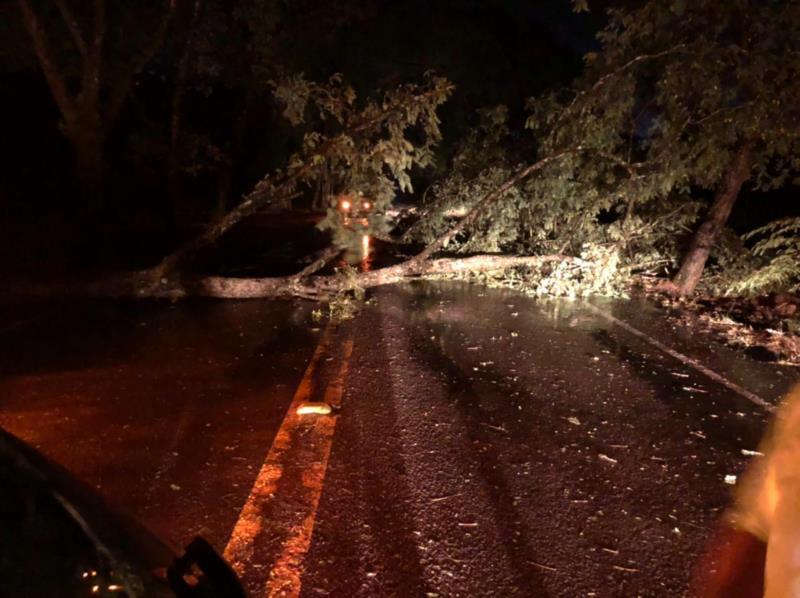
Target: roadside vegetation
627	176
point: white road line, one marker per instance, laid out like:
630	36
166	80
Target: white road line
685	359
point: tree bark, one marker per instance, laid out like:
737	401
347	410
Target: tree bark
707	234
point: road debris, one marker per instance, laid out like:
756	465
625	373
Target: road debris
730	479
441	498
607	459
314	408
695	389
574	421
545	567
748	453
495	428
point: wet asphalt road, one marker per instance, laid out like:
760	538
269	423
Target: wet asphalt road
486	445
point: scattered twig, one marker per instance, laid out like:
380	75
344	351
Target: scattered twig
749	453
607	459
545	567
441	498
495	428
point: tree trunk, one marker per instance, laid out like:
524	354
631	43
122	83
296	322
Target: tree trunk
86	117
323	287
147	284
87	142
706	235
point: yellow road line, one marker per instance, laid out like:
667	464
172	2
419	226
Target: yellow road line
239	550
285	576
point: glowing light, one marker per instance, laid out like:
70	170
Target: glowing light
95	589
345	205
365	245
367	205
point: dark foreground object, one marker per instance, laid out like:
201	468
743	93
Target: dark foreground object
733	565
58	538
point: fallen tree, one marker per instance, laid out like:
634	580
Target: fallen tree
170	283
372	152
173	283
317	288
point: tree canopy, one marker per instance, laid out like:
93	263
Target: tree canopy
681	98
636	165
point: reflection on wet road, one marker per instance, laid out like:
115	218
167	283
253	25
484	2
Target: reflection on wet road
484	443
166	409
361	257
